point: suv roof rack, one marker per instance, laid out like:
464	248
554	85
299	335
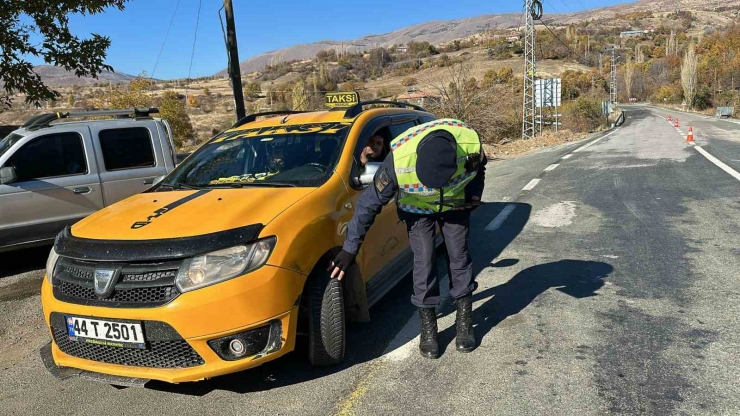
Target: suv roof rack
252	117
43	120
356	109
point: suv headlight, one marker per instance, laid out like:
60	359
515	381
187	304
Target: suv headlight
51	263
221	265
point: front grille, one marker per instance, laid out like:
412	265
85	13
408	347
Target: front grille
80	273
145	295
148	277
158	354
138	286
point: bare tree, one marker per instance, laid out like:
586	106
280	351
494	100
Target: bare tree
629	73
491	109
672	47
688	75
299	96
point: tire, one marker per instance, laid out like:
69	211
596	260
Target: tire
326	320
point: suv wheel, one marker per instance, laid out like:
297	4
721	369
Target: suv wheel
326	323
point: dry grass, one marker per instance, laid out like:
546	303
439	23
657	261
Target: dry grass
518	147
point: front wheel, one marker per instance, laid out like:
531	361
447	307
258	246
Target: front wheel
326	320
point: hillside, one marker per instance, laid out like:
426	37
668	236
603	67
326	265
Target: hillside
59	77
442	31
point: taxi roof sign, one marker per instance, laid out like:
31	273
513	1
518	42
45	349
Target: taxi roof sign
343	99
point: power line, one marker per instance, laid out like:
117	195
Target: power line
165	39
549	4
195	37
584	7
566	5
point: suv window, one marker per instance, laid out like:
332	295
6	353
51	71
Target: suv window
129	148
60	154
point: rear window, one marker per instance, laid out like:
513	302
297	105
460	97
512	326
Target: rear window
129	148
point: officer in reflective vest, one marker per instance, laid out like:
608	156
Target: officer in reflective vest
436	173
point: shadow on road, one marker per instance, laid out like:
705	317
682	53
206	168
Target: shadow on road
576	278
367	341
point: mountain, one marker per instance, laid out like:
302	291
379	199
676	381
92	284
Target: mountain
448	30
433	32
59	77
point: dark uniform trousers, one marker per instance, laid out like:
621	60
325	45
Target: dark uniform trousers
455	226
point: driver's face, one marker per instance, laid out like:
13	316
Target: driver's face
375	144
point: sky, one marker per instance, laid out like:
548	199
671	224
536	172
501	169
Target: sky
138	33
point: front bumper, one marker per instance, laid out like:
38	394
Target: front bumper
268	296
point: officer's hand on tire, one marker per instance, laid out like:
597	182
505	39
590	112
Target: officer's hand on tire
341	263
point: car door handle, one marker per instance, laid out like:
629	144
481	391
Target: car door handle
148	181
82	190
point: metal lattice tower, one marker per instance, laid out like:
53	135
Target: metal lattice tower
529	128
613	83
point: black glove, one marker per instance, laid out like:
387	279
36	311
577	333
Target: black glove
343	260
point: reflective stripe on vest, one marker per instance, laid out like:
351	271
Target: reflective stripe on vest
413	196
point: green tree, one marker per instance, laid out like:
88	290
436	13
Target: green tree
70	100
173	110
22	21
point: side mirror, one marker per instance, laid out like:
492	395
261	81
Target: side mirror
8	175
367	176
158	179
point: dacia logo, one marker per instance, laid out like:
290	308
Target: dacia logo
104	280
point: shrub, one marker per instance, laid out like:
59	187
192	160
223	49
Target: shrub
583	114
408	81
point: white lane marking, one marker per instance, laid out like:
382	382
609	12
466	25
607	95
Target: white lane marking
403	344
500	218
582	148
735	174
568	156
551	167
531	185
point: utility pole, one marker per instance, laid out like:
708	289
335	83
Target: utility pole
235	74
613	86
533	11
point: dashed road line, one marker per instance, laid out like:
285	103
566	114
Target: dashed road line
735	174
531	185
500	218
568	156
551	167
582	148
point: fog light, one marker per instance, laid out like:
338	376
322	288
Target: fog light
236	347
248	343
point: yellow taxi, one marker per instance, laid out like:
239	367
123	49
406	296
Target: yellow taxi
220	265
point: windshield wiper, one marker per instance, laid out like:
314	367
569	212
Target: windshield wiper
179	186
248	184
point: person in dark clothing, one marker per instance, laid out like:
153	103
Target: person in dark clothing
436	175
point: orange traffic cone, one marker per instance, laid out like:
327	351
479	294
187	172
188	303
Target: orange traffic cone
690	137
675	124
669	117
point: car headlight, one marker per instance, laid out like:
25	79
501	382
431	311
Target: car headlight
217	266
51	263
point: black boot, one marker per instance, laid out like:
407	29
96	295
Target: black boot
428	344
465	339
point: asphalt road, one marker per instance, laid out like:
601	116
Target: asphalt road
609	275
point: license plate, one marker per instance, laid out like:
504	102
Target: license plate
109	333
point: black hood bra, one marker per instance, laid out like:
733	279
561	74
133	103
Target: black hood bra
79	248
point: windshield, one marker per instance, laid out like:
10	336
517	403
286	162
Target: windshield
303	155
8	142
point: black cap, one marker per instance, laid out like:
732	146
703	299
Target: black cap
436	160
